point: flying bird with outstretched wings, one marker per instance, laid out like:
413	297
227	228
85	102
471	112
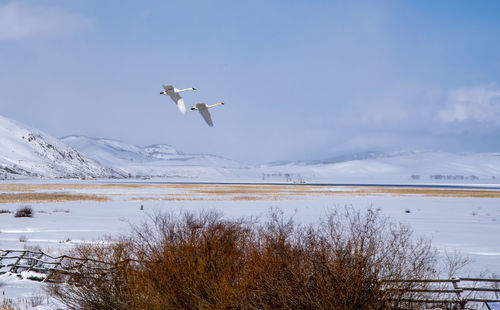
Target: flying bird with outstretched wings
174	94
203	109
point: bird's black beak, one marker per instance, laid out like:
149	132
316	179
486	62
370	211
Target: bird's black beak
192	108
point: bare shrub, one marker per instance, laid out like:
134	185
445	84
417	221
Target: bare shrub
349	261
24	211
59	210
8	304
5	211
22	303
195	262
338	265
101	284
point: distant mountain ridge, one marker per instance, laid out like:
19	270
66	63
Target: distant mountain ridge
403	166
28	152
336	159
157	160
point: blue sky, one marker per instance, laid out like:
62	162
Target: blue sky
300	79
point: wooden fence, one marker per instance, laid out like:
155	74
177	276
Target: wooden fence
454	293
460	293
40	266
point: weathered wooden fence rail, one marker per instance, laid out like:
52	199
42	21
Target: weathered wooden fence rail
460	293
40	266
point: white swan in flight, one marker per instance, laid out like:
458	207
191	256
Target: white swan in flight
174	94
203	109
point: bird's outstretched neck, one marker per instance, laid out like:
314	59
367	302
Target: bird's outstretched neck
190	88
214	105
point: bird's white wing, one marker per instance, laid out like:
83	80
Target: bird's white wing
179	101
168	87
206	115
181	106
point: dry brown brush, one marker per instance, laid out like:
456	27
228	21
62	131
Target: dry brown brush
204	261
24	211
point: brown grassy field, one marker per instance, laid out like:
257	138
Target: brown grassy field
46	197
32	193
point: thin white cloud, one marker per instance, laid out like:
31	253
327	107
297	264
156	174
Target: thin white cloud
480	103
19	20
396	107
421	108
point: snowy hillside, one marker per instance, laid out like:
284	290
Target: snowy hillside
336	159
395	167
162	160
28	152
158	160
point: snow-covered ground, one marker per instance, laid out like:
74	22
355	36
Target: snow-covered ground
469	225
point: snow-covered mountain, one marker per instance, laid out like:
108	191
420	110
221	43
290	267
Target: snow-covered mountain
158	160
336	159
395	167
162	160
28	152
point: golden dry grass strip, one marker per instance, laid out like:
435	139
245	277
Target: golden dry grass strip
187	191
437	192
170	199
47	197
255	198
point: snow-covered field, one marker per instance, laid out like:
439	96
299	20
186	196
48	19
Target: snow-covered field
466	220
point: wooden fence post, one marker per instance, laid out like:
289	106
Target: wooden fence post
14	267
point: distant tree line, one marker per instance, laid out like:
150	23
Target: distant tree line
447	177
